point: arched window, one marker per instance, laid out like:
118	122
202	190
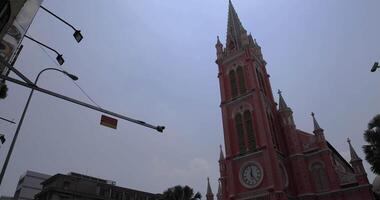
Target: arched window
319	177
249	130
261	80
240	132
240	75
234	90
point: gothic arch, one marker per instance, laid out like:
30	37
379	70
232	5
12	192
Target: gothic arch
240	108
241	79
239	127
319	176
233	83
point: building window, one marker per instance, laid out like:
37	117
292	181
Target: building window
5	13
240	132
66	185
319	177
249	130
233	83
240	75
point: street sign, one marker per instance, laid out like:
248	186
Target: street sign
108	121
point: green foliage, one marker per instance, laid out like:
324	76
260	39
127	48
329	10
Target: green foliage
180	193
372	149
3	90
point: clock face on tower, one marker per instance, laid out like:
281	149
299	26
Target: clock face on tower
251	174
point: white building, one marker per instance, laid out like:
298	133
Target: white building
29	185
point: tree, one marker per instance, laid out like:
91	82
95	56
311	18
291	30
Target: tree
180	193
372	149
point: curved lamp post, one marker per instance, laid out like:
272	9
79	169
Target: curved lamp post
73	77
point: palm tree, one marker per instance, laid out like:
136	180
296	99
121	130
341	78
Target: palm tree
372	149
181	193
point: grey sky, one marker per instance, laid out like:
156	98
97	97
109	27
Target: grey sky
154	60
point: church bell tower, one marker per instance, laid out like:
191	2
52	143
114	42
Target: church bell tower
251	167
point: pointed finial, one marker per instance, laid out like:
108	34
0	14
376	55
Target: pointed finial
218	41
221	156
209	191
282	104
219	194
316	125
354	155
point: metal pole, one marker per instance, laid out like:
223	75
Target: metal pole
34	87
60	96
15	138
40	43
60	19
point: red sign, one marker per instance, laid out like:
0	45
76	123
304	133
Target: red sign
108	121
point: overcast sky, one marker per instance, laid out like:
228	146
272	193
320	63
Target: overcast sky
154	60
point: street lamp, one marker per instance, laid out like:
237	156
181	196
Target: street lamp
375	66
77	35
73	77
59	57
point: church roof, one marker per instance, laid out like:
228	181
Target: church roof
234	27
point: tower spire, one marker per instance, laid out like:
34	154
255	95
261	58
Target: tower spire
209	194
221	155
282	104
316	125
234	29
354	156
219	194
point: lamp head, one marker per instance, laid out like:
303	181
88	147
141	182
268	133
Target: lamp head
375	66
78	36
160	128
72	76
2	138
60	59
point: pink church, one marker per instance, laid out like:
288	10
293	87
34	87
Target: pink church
267	157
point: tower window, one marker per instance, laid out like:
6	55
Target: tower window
233	83
261	80
240	132
240	75
249	130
